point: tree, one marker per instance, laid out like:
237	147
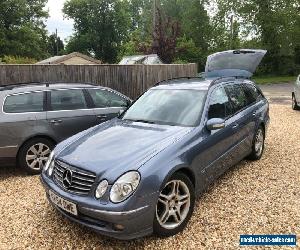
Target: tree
55	45
268	24
187	51
22	31
165	36
101	26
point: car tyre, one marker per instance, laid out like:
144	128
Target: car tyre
175	206
34	154
295	105
258	144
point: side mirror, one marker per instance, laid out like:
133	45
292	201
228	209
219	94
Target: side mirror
215	124
129	103
121	112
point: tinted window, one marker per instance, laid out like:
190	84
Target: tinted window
219	104
32	102
237	97
252	93
104	98
70	99
168	106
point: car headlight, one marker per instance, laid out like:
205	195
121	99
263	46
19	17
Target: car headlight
51	168
50	158
124	186
101	189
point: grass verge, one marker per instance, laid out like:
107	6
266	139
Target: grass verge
274	79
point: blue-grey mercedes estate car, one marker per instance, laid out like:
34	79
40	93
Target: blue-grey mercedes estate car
140	173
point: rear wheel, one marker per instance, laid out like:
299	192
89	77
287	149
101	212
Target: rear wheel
175	206
295	105
258	144
34	154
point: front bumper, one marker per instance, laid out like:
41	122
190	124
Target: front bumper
103	218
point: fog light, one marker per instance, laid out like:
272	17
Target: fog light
101	189
118	227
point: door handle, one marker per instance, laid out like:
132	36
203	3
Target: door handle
102	116
56	121
235	126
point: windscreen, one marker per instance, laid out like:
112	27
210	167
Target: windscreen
168	106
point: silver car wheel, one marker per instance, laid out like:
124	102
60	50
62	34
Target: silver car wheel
37	156
259	142
293	102
173	204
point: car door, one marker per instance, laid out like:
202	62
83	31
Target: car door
22	117
218	143
297	89
107	104
68	112
243	122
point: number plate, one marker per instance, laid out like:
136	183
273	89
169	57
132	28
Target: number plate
65	205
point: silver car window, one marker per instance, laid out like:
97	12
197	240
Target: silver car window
23	103
104	98
69	99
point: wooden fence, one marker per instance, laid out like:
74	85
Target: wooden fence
131	80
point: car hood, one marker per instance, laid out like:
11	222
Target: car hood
236	63
118	146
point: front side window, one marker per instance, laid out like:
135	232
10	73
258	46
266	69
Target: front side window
168	106
31	102
237	97
69	99
104	98
219	106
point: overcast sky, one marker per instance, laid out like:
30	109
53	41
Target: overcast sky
56	20
65	27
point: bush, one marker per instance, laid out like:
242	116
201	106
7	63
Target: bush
18	60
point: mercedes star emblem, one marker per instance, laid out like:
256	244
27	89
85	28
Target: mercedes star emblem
67	178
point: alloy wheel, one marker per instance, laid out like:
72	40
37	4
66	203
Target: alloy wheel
173	204
37	156
259	142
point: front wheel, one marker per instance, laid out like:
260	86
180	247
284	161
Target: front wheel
258	144
175	206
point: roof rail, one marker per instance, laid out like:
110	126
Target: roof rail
23	83
222	79
215	81
177	78
20	85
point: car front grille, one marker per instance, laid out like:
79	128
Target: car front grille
81	181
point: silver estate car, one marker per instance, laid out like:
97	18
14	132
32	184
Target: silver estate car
35	117
296	95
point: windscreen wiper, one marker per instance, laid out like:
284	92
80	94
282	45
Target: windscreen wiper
143	121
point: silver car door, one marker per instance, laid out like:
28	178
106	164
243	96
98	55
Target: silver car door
107	103
297	89
68	113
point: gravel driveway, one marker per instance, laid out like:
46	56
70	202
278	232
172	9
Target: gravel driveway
253	198
280	93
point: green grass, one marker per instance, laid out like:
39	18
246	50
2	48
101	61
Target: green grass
274	79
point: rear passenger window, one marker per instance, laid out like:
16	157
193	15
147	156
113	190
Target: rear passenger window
219	104
31	102
69	99
237	97
252	93
103	98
